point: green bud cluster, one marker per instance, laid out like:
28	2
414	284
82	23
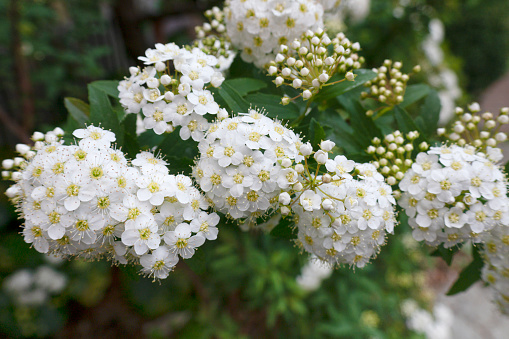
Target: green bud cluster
390	84
393	154
309	63
477	128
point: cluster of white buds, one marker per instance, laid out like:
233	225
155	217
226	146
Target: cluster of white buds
393	154
452	194
479	129
257	28
308	63
496	264
211	38
172	90
243	163
87	200
390	84
342	213
11	167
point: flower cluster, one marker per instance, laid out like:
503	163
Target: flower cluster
308	63
258	28
86	200
452	194
212	39
389	86
393	155
239	167
481	130
330	5
496	266
342	215
169	99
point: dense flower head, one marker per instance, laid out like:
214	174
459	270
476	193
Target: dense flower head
239	166
257	28
452	194
171	90
496	264
345	221
87	200
309	62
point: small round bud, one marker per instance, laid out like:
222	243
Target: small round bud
22	149
286	162
501	137
423	146
165	79
487	116
133	70
6	175
375	141
416	69
290	61
320	157
350	76
491	142
279	81
38	136
272	70
7	164
383	162
285	100
286	72
306	94
490	124
152	83
326	178
297	83
222	114
58	132
169	96
386	170
327	204
304	72
477	143
369	113
391	181
160	66
380	150
474	107
324	77
408	162
299	168
280	58
284	198
484	135
285	210
298	187
306	149
327	145
16	176
503	119
371	149
408	147
441	131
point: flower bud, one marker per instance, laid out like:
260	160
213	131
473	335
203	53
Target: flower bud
350	76
484	135
6	175
304	72
296	44
297	83
315	83
290	61
491	142
299	168
503	119
306	149
160	66
30	154
7	164
16	176
326	178
38	136
280	58
279	81
474	107
327	145
327	204
298	187
133	70
286	72
13	191
165	80
284	198
152	83
490	124
324	77
306	94
285	100
320	157
22	149
501	137
391	181
371	149
285	210
272	70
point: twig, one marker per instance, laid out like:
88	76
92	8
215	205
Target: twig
15	129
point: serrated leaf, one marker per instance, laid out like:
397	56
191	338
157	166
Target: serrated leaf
149	139
78	109
233	99
272	104
243	86
414	93
470	274
332	91
285	229
131	146
429	113
316	133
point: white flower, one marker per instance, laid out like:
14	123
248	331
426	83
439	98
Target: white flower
142	234
159	263
182	242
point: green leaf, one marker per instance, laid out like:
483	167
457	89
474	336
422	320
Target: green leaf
179	153
149	139
107	86
404	121
243	86
316	133
101	111
78	109
285	229
364	127
233	99
429	114
272	103
131	146
414	93
470	274
332	91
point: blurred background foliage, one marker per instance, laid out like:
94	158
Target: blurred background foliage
242	285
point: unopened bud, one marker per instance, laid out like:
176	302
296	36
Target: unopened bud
326	178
